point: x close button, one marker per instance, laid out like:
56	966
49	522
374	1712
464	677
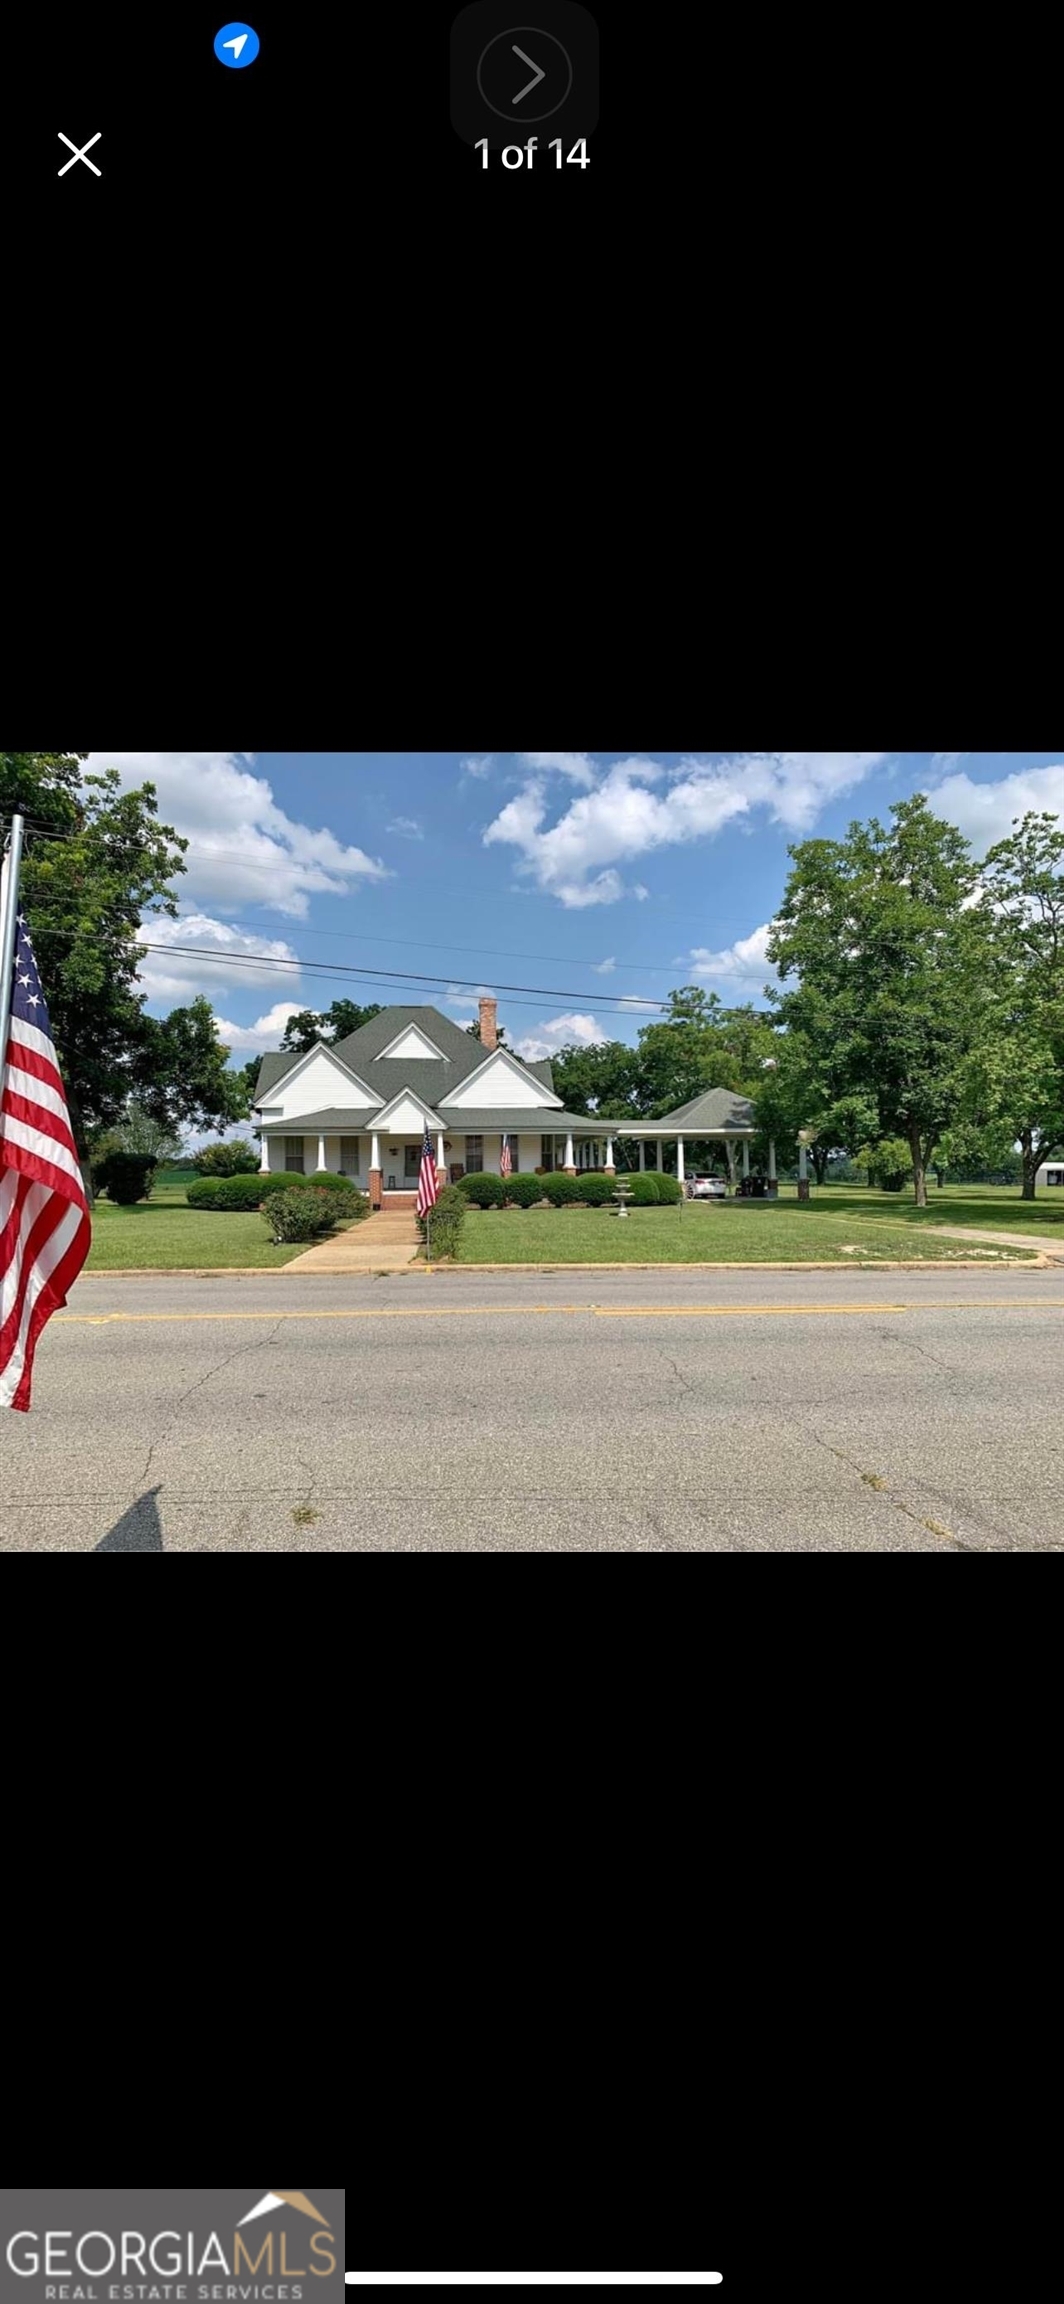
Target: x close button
79	152
508	72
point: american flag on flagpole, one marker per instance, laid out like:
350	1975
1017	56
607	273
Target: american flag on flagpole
428	1186
44	1216
504	1157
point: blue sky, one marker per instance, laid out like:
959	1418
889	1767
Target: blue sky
593	878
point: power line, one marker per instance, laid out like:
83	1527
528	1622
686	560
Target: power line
366	936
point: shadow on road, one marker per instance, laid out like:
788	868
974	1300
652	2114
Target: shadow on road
138	1530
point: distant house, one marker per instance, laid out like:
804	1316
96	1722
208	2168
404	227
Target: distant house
1051	1172
360	1106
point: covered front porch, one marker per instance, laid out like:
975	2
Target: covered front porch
386	1163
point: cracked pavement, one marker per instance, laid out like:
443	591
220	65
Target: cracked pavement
507	1411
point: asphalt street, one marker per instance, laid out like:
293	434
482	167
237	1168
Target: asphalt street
654	1411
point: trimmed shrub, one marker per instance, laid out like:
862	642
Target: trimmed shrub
228	1191
231	1192
448	1217
562	1191
644	1190
668	1188
126	1176
596	1190
524	1191
237	1158
484	1191
299	1215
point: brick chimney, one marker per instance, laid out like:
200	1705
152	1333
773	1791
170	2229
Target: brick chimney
488	1034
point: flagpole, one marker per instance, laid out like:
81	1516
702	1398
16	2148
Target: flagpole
12	862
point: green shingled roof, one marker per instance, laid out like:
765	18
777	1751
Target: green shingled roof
431	1078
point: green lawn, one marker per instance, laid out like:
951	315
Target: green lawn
994	1207
165	1231
850	1227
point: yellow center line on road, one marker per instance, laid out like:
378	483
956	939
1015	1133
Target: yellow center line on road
598	1311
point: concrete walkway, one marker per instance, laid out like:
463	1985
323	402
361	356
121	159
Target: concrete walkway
1053	1248
383	1242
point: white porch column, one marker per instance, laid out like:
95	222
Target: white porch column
608	1162
729	1147
772	1159
569	1161
746	1157
657	1141
642	1154
321	1151
264	1163
439	1148
375	1152
679	1159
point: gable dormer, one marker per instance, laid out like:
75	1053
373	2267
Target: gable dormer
412	1042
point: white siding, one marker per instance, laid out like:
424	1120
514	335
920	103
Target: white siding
407	1119
322	1083
503	1084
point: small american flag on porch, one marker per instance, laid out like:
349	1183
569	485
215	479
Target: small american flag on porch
427	1181
504	1157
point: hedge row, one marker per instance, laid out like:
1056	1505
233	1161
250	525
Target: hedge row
251	1191
589	1189
448	1217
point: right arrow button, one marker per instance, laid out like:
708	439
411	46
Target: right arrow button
539	74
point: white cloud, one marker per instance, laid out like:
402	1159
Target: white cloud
603	967
742	964
576	858
481	767
559	1032
243	848
266	1032
407	825
945	760
645	1004
178	975
984	812
573	764
459	995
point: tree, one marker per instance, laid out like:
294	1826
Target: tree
888	1163
893	990
334	1023
96	864
138	1131
235	1158
181	1069
1018	1077
602	1079
247	1074
500	1033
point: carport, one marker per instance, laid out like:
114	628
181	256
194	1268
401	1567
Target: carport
719	1113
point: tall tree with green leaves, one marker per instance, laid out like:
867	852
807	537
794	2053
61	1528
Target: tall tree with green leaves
890	957
96	866
1017	1075
601	1079
333	1023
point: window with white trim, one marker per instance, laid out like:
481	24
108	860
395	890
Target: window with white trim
349	1155
293	1154
474	1154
